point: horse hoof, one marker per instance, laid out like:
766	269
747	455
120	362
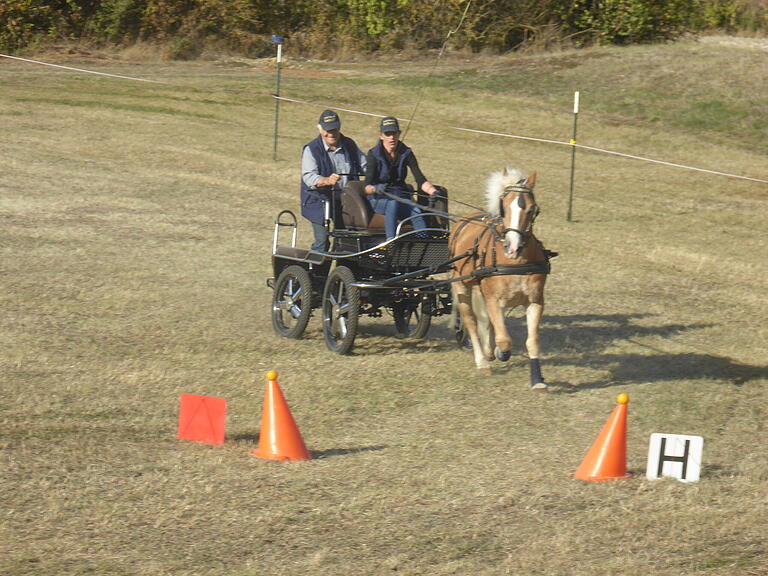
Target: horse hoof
539	387
502	356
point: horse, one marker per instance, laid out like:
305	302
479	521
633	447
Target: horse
498	265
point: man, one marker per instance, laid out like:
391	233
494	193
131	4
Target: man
388	164
327	163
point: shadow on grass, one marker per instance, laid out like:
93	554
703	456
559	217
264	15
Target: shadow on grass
578	340
253	439
565	335
319	454
383	340
641	369
591	331
245	437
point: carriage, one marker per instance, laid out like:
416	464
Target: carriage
364	274
491	261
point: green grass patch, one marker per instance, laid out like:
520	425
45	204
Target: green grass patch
115	106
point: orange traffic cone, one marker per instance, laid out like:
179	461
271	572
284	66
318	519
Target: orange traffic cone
607	458
280	438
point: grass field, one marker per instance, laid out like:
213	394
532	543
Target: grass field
135	245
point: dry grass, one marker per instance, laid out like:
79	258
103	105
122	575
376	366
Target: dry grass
136	226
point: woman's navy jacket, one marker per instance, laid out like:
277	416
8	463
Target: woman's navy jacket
393	175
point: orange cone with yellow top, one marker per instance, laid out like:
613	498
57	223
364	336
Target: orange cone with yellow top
280	438
607	458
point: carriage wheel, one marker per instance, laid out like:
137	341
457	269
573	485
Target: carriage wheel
340	310
412	321
292	302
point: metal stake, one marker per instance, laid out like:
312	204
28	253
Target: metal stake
573	153
279	41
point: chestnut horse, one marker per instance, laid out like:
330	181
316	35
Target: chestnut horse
505	266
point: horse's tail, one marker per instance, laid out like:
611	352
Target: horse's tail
454	316
481	315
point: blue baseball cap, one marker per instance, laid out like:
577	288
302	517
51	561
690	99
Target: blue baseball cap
389	124
329	120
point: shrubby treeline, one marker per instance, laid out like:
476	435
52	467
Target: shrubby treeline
187	27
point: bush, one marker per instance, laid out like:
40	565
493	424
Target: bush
627	21
23	21
735	15
117	21
341	27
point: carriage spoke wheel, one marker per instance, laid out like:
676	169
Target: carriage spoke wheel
340	310
292	302
412	321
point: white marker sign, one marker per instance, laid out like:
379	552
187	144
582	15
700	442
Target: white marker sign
675	455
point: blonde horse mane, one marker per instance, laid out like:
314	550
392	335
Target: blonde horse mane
496	184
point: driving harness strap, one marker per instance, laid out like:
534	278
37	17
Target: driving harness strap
542	267
481	270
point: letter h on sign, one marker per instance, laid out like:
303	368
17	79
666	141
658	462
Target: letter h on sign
675	455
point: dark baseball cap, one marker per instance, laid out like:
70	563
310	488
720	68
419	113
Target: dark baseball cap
389	124
329	120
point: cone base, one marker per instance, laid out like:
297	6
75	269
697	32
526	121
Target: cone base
603	478
270	456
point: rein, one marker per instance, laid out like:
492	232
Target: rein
425	209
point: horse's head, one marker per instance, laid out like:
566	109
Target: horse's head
511	201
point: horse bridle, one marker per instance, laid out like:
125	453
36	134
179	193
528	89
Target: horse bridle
530	215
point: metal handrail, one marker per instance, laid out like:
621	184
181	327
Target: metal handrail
279	224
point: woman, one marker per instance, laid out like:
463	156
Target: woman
387	167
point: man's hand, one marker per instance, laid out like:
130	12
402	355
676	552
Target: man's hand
328	180
370	189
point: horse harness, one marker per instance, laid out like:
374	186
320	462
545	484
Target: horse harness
494	226
530	215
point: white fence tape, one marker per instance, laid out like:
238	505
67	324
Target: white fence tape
79	69
546	141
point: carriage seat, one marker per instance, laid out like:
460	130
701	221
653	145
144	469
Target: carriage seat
356	213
